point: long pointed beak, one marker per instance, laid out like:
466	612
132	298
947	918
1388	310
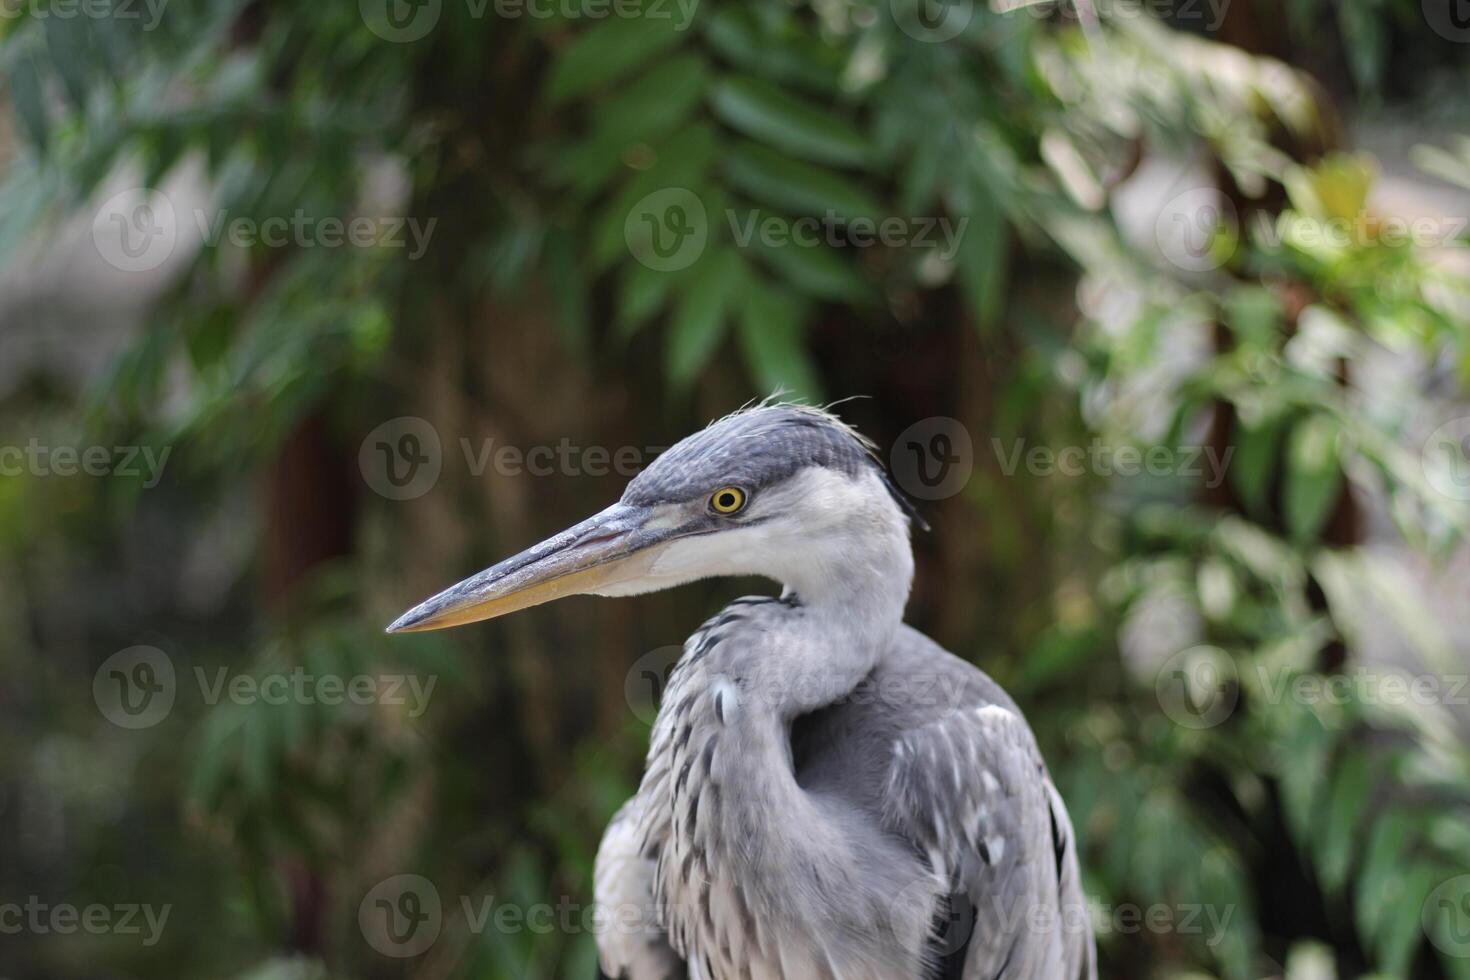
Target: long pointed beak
605	550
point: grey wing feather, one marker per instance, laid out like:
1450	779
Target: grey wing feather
970	790
631	941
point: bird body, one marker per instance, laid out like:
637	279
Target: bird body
828	793
824	845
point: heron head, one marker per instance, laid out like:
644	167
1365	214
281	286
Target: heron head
785	491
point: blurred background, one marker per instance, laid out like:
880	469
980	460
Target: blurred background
1158	312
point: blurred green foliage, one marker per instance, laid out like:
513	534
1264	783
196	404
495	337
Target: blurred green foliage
534	142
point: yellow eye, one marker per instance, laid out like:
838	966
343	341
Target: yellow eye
727	500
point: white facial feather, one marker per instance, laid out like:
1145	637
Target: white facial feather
808	533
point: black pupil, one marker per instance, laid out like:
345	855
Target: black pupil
727	500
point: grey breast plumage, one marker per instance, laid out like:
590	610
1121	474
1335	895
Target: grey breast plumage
929	752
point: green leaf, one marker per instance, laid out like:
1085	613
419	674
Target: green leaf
1302	759
1362	23
1381	871
770	333
1336	838
982	253
657	102
681	161
641	294
1254	462
27	95
569	287
820	272
69	54
1313	478
700	318
1253	314
764	112
776	179
208	336
647	110
1404	929
921	177
609	51
785	57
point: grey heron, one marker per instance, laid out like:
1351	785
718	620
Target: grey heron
828	793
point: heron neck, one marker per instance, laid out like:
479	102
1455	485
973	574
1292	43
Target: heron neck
844	616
